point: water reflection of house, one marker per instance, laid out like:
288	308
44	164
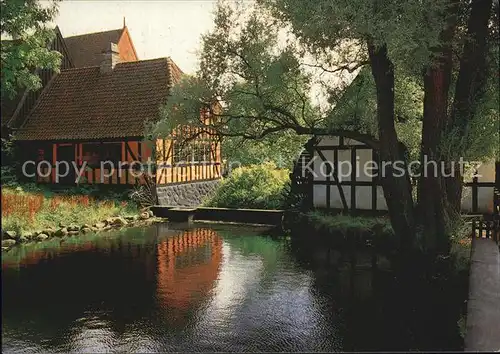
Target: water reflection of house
188	266
93	113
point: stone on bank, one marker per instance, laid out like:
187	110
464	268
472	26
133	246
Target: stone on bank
11	238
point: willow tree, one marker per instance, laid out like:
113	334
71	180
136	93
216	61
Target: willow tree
421	39
260	70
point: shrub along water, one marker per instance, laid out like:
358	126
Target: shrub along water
253	187
30	208
348	224
341	232
336	229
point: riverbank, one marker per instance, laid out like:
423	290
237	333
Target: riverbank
347	233
30	213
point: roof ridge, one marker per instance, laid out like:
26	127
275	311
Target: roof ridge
170	82
176	66
99	32
142	61
120	63
81	68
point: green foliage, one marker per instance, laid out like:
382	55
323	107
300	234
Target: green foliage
340	230
356	109
460	246
255	87
252	187
8	168
409	28
410	134
338	31
24	21
263	87
8	176
348	224
279	148
254	65
481	140
462	325
95	191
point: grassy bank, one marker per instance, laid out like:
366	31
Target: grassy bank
340	230
331	224
29	208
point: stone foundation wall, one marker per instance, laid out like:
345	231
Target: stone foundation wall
186	194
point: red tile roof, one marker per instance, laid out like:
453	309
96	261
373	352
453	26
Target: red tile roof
86	49
84	103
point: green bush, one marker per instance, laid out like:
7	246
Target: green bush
8	168
253	187
461	246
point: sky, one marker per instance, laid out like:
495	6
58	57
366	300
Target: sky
158	28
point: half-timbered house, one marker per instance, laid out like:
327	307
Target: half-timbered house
342	173
89	124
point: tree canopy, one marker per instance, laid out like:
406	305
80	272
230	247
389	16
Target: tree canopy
264	63
25	39
423	76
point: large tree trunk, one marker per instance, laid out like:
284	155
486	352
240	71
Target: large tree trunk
454	185
432	192
432	201
397	190
470	85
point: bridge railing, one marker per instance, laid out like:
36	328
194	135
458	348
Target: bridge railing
483	227
488	226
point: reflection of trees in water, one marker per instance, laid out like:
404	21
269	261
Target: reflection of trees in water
381	309
257	244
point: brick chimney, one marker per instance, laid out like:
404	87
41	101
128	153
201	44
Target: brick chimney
110	57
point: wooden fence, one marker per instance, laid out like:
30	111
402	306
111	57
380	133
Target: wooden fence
488	226
483	228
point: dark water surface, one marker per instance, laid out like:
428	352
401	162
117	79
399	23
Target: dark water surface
202	288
